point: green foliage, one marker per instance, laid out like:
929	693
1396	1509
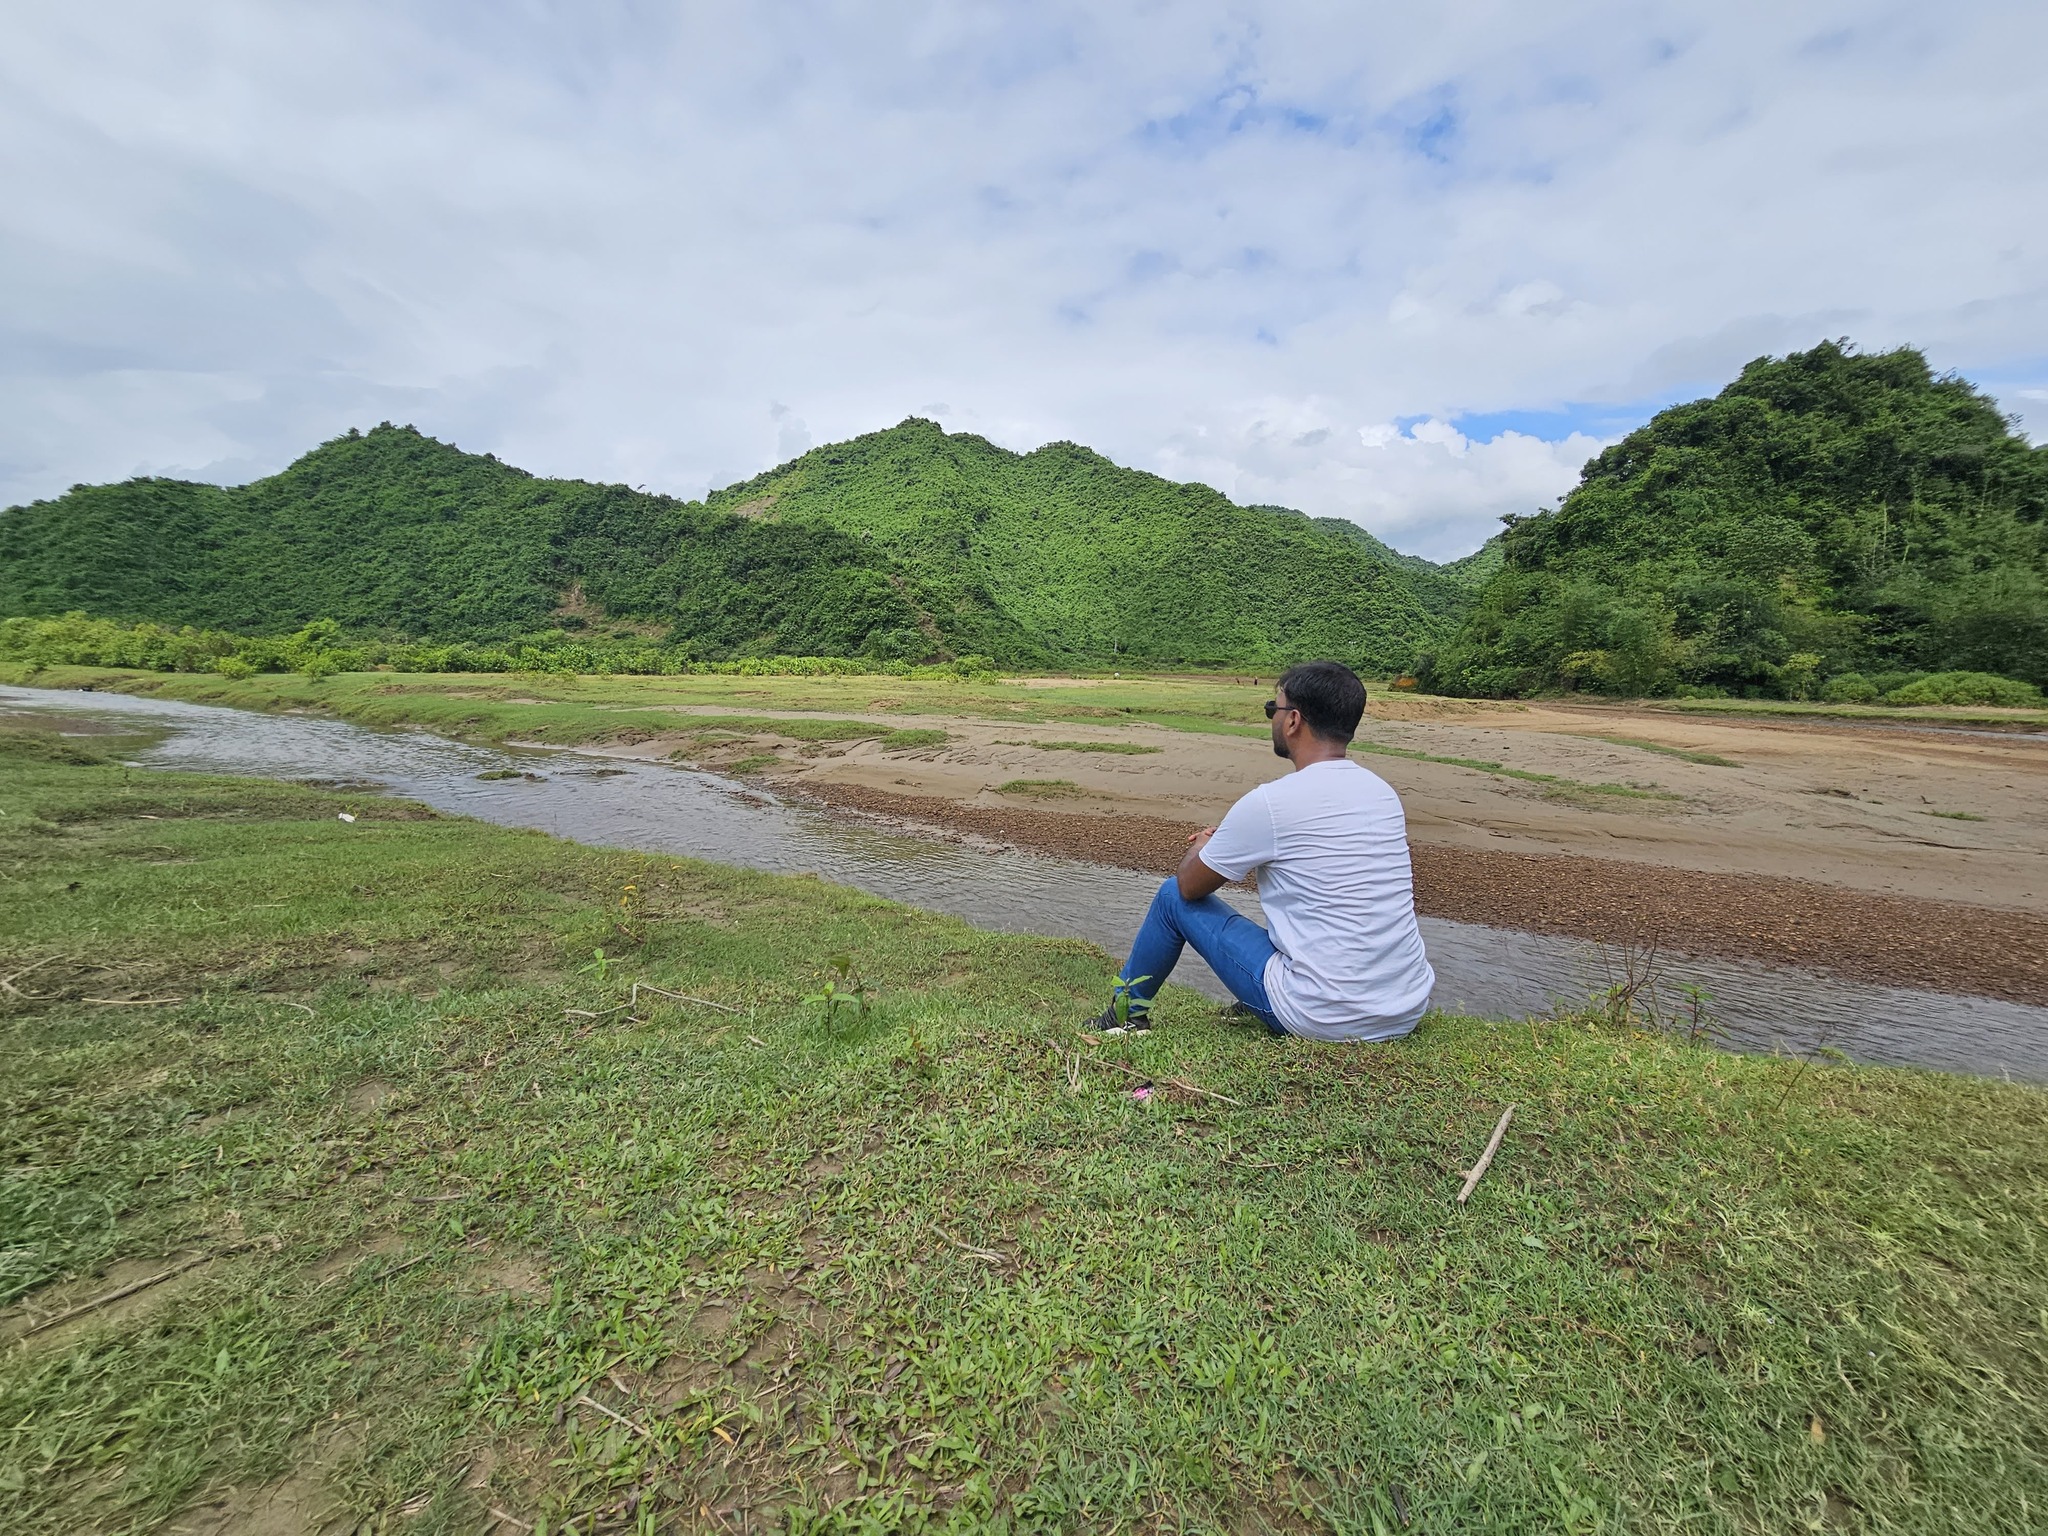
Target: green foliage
393	533
903	547
1849	688
1827	513
73	640
1061	557
1967	688
1444	591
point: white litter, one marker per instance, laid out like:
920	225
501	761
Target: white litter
343	816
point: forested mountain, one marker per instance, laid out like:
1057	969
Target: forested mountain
393	532
906	544
1082	559
1445	590
1829	513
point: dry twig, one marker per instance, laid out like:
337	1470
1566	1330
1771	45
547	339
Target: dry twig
1486	1157
618	1418
1172	1082
7	983
123	1292
987	1255
680	997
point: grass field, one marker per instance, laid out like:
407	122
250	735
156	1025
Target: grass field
574	710
580	709
486	1244
595	711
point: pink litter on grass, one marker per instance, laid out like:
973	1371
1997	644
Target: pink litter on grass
1142	1092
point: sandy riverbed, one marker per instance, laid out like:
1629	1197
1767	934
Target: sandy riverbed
1850	806
1815	843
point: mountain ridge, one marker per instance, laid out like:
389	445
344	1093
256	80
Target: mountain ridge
904	544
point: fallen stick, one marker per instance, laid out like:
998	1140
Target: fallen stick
987	1255
1172	1082
1486	1157
618	1418
680	997
8	982
439	1199
500	1515
129	1290
131	1002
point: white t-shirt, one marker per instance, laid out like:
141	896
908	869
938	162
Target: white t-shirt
1330	844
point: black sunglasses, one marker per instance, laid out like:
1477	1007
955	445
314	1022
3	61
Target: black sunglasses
1274	706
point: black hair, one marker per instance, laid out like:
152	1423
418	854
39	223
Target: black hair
1329	695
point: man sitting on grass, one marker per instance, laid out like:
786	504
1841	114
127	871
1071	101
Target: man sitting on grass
1344	960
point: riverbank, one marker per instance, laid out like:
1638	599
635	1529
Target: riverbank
1887	940
477	1236
1901	856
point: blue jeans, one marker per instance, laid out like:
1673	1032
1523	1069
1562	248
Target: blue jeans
1235	947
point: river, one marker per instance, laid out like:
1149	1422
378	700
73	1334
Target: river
658	808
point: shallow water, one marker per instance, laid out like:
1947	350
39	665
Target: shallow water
1488	971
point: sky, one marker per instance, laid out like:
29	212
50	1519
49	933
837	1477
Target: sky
1410	265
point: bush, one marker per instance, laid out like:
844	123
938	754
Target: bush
1967	688
321	650
1849	688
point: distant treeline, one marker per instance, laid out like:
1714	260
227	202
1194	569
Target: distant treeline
320	649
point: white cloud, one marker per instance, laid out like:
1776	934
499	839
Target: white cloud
1427	488
665	246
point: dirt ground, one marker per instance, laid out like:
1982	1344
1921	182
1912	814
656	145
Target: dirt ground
1910	855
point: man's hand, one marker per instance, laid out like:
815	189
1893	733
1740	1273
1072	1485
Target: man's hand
1196	878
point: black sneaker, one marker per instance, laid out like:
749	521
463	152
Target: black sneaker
1137	1022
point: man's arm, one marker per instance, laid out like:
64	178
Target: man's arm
1196	878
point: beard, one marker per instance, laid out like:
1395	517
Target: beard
1279	743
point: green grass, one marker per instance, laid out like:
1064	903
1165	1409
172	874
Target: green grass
589	710
905	741
926	1269
1122	748
1557	783
756	762
599	710
1876	714
1044	789
1708	759
1959	815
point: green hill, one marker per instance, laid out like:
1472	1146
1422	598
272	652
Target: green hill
1072	558
1443	589
903	544
1828	515
391	532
